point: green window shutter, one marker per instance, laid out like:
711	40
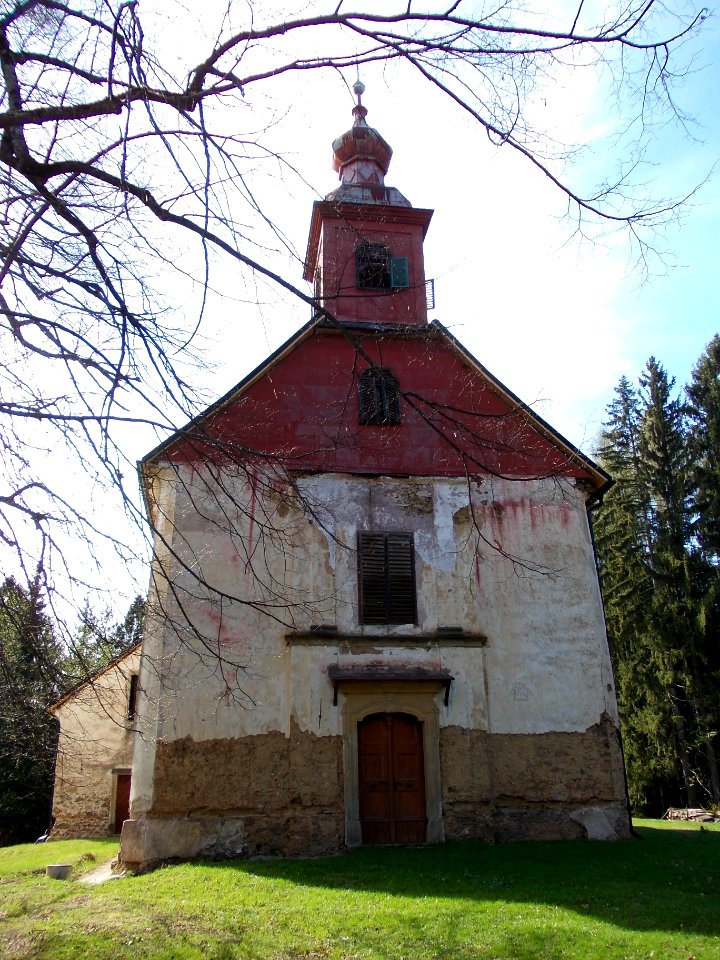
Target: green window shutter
399	277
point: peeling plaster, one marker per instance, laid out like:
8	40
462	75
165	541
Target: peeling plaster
545	671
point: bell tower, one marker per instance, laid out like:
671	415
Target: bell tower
365	249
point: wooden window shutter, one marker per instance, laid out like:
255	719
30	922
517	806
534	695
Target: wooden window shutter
386	568
401	578
378	397
367	398
399	275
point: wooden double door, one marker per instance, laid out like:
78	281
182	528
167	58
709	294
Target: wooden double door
391	779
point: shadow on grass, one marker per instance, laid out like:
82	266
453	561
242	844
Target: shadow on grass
668	881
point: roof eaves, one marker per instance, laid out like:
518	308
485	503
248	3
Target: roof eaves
605	481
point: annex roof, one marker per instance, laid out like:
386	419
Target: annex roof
115	662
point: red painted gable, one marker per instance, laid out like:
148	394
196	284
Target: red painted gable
302	410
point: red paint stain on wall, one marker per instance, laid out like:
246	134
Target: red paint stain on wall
251	527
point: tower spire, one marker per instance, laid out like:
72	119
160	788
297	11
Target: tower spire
361	158
365	249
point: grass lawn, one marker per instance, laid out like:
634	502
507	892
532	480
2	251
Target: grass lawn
653	898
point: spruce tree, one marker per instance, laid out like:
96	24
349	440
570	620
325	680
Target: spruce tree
656	584
623	541
703	394
30	681
673	630
621	527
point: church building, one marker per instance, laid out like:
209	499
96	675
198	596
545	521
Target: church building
375	615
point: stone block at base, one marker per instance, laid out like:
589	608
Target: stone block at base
145	842
608	822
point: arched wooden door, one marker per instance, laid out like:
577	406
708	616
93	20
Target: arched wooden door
391	779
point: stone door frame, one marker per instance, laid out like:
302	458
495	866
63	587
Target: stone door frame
420	700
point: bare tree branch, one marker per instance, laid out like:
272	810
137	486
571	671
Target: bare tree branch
103	148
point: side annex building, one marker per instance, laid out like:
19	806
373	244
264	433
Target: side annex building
93	765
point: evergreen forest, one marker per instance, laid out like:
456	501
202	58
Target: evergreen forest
657	537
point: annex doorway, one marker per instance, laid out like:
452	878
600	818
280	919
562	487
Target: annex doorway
122	800
391	779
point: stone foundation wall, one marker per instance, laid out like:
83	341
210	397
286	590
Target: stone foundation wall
276	795
73	825
550	786
272	795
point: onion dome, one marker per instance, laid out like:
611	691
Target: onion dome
362	157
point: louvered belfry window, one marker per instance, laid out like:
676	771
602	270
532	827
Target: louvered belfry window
377	269
386	574
373	266
378	397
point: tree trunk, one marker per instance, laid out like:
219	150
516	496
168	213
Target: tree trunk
688	778
713	768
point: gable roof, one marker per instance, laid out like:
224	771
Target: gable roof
575	453
273	390
115	662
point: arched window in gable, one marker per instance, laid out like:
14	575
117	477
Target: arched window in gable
378	397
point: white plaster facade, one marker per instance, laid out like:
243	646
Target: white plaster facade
531	657
545	665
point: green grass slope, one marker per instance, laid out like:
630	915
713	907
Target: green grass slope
653	898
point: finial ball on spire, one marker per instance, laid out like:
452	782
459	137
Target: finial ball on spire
358	88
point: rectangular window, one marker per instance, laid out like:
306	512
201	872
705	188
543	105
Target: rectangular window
377	269
373	266
132	696
386	578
